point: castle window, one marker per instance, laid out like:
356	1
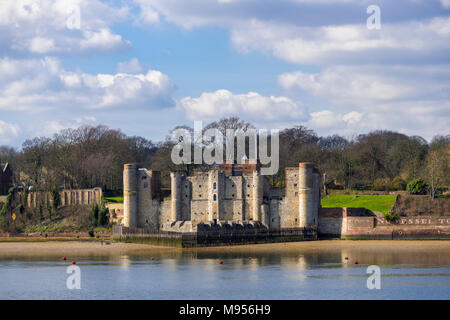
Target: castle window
232	195
248	195
248	186
295	184
214	186
215	197
199	185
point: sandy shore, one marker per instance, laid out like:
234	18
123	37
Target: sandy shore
85	249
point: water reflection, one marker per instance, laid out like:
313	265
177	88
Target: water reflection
295	272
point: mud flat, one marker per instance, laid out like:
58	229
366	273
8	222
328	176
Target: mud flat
109	248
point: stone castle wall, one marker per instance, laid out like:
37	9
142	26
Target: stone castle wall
68	197
216	196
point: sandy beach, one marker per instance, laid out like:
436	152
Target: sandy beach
97	248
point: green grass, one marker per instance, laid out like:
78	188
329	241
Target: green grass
114	199
380	203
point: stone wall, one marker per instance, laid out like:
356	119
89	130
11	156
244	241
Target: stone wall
217	197
68	197
361	223
213	235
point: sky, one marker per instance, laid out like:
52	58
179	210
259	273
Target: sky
146	66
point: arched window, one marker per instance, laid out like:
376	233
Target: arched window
214	186
215	197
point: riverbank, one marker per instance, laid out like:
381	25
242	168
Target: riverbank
94	248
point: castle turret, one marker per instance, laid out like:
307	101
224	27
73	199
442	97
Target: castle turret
130	195
307	208
175	179
257	196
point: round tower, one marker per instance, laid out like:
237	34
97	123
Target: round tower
257	196
306	194
175	181
130	197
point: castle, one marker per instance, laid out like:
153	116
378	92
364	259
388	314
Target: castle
232	195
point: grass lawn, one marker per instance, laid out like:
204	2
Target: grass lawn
114	199
380	203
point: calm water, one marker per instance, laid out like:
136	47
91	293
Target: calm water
198	275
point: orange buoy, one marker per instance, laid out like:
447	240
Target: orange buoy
221	262
73	262
64	258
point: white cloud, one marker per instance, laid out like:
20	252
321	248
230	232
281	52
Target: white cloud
445	3
409	99
148	15
48	26
54	126
8	132
43	84
130	66
313	32
324	45
252	105
372	85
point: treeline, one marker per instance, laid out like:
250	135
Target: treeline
94	156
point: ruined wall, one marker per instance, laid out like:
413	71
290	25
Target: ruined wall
68	198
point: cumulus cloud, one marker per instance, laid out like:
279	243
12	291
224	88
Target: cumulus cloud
54	126
130	66
8	132
47	26
371	84
252	105
347	43
43	84
409	99
304	32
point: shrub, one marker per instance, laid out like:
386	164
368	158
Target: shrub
417	186
398	184
391	217
382	184
102	215
56	198
93	217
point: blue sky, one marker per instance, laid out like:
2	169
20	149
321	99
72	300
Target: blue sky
145	66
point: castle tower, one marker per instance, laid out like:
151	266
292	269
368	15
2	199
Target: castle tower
213	195
175	179
130	195
307	208
257	196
